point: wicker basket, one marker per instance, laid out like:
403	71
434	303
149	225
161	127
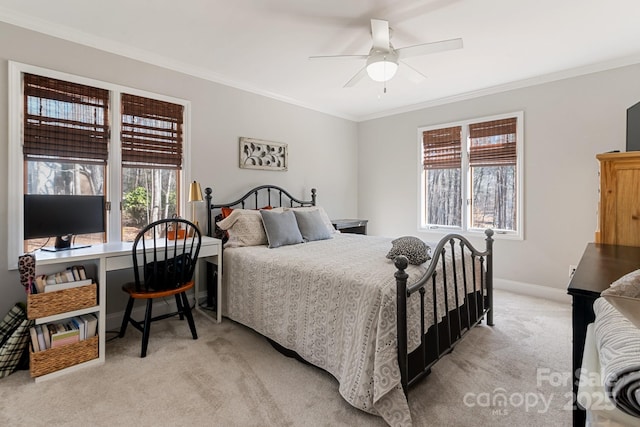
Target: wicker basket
54	359
50	303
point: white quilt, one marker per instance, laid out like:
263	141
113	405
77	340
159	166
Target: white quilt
334	303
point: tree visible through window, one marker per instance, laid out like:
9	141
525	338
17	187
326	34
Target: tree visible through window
442	163
492	158
470	175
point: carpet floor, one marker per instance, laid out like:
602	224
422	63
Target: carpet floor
516	373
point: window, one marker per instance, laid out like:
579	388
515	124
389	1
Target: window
65	144
471	175
151	135
70	135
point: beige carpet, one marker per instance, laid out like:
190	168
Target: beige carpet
231	376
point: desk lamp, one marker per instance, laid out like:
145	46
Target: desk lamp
195	195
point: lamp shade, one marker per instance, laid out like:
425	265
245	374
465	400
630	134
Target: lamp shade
382	66
195	192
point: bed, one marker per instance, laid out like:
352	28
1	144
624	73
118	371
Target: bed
377	325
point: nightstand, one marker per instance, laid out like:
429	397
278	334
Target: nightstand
355	226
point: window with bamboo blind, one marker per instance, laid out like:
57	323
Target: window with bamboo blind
65	142
151	139
71	135
471	175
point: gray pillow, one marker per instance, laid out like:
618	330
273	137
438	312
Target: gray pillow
416	251
311	225
281	227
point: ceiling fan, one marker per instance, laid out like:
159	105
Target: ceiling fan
383	59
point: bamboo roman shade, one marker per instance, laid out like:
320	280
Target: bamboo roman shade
151	132
65	120
493	143
442	148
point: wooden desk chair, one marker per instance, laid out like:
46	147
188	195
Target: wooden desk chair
169	251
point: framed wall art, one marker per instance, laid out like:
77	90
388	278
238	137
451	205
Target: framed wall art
261	154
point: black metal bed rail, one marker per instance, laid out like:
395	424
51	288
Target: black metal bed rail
447	328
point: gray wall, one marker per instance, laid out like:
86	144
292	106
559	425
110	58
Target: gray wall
322	148
566	123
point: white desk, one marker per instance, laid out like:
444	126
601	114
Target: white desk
117	256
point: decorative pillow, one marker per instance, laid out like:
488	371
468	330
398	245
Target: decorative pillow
311	225
281	227
323	215
224	213
624	295
416	251
245	228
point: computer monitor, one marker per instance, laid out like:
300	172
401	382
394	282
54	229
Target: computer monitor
62	216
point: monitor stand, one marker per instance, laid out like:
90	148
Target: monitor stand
63	243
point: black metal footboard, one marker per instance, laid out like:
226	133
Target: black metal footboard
458	302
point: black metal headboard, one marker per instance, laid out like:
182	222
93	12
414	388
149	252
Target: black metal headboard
256	198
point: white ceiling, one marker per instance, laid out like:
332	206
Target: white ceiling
263	45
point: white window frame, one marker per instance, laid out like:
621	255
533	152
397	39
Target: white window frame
465	229
15	211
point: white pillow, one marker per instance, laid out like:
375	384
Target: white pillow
245	228
323	215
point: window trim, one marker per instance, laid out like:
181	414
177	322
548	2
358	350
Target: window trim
15	179
465	229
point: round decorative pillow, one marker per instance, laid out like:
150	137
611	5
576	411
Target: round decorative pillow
416	251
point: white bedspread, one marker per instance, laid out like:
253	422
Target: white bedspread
334	303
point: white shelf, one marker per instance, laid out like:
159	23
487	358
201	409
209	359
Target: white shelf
67	314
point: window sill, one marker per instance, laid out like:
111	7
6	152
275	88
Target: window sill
498	235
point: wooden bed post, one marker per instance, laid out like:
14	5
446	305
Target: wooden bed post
313	196
401	276
489	274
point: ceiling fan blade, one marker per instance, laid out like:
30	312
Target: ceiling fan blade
427	48
357	77
339	57
412	74
380	34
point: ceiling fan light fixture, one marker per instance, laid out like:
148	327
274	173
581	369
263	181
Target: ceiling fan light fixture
382	67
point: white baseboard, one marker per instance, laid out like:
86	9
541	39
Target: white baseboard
529	289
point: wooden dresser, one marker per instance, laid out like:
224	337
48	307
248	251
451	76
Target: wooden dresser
619	205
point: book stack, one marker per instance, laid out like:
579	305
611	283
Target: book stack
70	278
68	331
